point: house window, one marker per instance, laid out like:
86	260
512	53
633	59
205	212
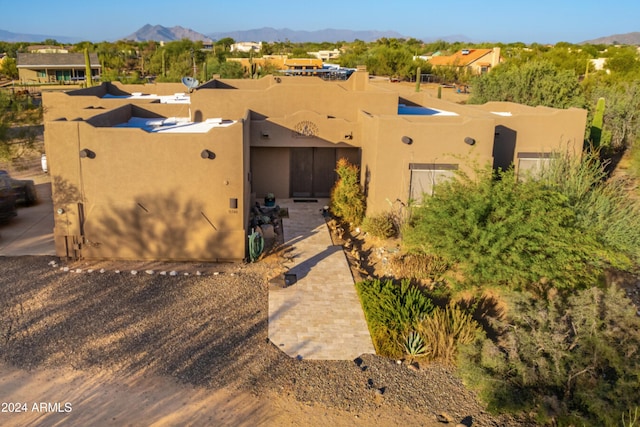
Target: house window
426	176
42	74
532	164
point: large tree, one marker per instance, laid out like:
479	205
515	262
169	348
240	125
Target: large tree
534	83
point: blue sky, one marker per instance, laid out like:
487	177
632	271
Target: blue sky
543	21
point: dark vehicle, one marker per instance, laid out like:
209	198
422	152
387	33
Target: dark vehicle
24	189
7	201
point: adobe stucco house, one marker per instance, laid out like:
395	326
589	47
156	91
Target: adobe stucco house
148	172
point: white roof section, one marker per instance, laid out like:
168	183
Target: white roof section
176	98
174	124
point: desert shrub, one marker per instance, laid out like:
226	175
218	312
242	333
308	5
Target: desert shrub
571	361
392	311
347	198
561	228
446	328
380	225
603	207
505	232
418	266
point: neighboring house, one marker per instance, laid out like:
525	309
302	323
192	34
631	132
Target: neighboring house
599	64
144	172
55	67
474	61
246	47
47	49
281	62
326	55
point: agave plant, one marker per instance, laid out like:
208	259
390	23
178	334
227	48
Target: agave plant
414	345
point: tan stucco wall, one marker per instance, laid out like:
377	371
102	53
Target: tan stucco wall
270	169
438	140
145	197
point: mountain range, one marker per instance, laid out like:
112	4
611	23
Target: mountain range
628	38
163	34
268	34
7	36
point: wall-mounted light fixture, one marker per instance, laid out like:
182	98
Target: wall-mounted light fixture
349	135
85	153
407	140
469	140
208	154
59	211
264	134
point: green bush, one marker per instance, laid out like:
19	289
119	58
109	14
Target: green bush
381	225
571	361
347	198
560	229
505	232
392	311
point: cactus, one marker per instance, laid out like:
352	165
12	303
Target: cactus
204	71
87	72
439	92
418	78
164	65
256	246
596	125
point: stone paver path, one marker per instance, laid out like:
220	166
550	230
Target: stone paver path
319	315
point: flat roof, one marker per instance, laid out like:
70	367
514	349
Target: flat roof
409	110
174	124
176	98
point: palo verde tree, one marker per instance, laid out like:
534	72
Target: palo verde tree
534	83
561	229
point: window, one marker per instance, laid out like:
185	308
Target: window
532	164
425	177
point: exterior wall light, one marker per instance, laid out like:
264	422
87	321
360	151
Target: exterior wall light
469	140
208	154
59	211
349	135
264	135
407	140
87	154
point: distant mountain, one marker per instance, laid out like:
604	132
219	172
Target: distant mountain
450	39
7	36
628	38
159	33
268	34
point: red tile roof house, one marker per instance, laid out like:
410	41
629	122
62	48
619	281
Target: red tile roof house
475	61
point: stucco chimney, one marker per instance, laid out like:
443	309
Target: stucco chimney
495	57
360	79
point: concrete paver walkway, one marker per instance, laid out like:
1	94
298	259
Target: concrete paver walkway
319	316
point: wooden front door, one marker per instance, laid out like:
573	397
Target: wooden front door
312	171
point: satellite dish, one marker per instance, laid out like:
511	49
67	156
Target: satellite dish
190	83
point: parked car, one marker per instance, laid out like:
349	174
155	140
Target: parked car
7	200
24	189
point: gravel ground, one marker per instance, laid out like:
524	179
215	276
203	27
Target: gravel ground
204	325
